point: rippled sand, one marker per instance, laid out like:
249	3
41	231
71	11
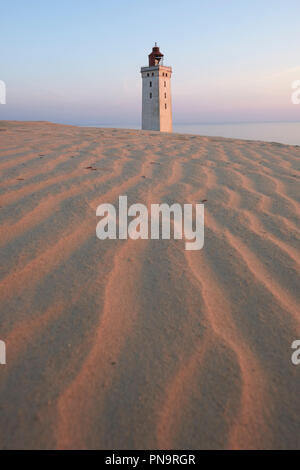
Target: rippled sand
141	344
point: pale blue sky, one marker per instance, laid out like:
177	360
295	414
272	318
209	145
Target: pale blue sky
78	62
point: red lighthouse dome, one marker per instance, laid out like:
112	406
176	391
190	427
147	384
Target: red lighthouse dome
155	56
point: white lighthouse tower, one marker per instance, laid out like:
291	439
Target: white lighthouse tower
157	102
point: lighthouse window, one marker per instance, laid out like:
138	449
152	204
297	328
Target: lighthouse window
150	84
150	95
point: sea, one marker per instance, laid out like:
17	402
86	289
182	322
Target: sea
282	132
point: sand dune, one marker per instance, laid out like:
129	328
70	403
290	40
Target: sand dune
124	344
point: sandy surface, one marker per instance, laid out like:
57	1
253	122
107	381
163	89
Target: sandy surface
142	344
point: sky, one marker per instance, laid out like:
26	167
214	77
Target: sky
78	62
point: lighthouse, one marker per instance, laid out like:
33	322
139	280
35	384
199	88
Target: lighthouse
156	95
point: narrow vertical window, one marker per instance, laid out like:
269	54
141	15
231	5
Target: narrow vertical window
150	96
150	84
165	83
165	95
165	105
